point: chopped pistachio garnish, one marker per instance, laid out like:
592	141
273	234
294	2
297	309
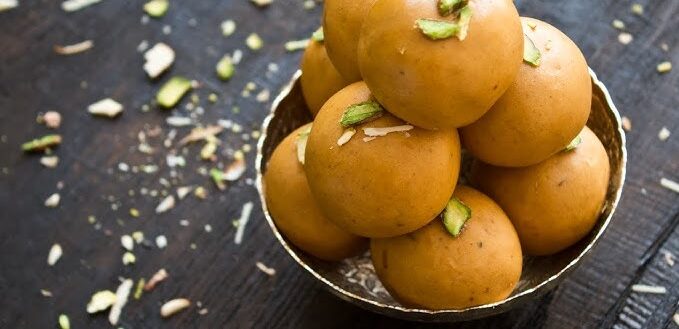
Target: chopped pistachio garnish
664	67
139	290
455	216
254	42
531	53
318	35
302	138
225	68
573	144
218	177
156	8
228	27
134	212
447	7
100	301
437	30
360	113
42	143
618	24
172	91
64	322
295	45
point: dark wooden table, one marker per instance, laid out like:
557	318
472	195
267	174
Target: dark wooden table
209	267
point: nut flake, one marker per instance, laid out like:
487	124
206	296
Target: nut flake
158	59
51	119
174	306
267	270
172	91
158	277
626	124
228	27
225	68
295	45
642	288
618	24
242	222
377	132
201	133
64	322
161	241
156	8
54	254
261	3
625	38
106	107
664	67
127	242
183	191
122	294
101	301
42	143
346	136
669	184
165	205
637	9
129	258
254	42
74	48
75	5
53	201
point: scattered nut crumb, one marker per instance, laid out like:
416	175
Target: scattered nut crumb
618	24
51	119
669	184
261	3
637	9
158	59
54	254
129	258
53	200
174	306
157	278
268	270
626	124
664	67
669	258
165	205
49	161
254	42
161	241
106	107
642	288
228	27
74	48
625	38
127	242
663	134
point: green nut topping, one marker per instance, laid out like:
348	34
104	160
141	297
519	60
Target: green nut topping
438	30
41	143
156	8
172	91
531	53
302	138
225	68
455	216
360	113
573	144
448	7
318	35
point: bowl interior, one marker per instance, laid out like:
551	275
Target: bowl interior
355	280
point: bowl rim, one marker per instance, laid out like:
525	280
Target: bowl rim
412	313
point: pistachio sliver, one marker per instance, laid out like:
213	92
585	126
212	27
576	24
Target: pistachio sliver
455	216
225	68
172	91
302	138
156	8
41	143
531	53
360	113
437	30
447	7
318	35
573	144
463	22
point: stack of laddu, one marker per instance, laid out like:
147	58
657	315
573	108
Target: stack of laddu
397	88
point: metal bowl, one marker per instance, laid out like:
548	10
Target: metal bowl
354	279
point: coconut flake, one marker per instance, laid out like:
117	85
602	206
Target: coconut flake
158	59
174	306
122	294
53	200
75	5
267	270
54	254
346	136
242	222
642	288
101	301
165	205
157	278
669	184
376	132
106	107
74	48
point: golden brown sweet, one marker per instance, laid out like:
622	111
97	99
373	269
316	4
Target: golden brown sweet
295	212
555	203
342	21
543	110
380	187
438	84
430	268
320	79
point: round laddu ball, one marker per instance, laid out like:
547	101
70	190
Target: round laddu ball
342	21
555	203
379	186
430	268
443	83
294	210
320	79
542	111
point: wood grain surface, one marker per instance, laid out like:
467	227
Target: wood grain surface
217	272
